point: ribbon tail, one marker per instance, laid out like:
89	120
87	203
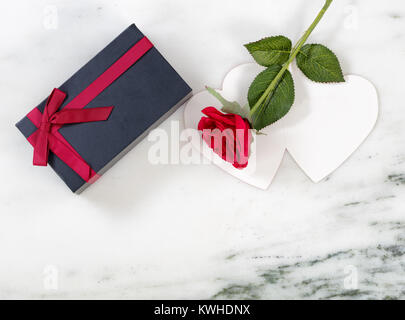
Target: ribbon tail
41	149
76	163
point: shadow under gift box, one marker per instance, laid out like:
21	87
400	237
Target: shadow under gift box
143	97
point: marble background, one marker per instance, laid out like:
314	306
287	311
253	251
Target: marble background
189	231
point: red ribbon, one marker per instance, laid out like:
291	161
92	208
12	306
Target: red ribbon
48	137
45	140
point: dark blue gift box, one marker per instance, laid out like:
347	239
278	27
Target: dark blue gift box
143	97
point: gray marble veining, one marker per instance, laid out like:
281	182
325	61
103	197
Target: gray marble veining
186	231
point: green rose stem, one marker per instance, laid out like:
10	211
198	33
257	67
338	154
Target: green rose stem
294	53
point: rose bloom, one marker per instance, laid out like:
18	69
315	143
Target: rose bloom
228	135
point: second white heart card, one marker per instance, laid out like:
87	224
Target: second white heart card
325	125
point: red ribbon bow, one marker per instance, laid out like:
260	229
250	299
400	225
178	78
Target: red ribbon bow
47	137
52	119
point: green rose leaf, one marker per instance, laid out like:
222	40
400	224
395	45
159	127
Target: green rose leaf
230	107
271	50
319	64
277	104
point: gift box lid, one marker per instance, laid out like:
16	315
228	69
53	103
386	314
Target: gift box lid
143	96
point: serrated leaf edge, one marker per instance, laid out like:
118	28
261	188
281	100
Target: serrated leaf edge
286	113
278	36
276	50
324	82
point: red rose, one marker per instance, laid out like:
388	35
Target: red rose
228	135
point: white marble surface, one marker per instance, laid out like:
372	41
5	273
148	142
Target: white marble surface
188	231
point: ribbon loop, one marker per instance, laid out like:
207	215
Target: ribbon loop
51	116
